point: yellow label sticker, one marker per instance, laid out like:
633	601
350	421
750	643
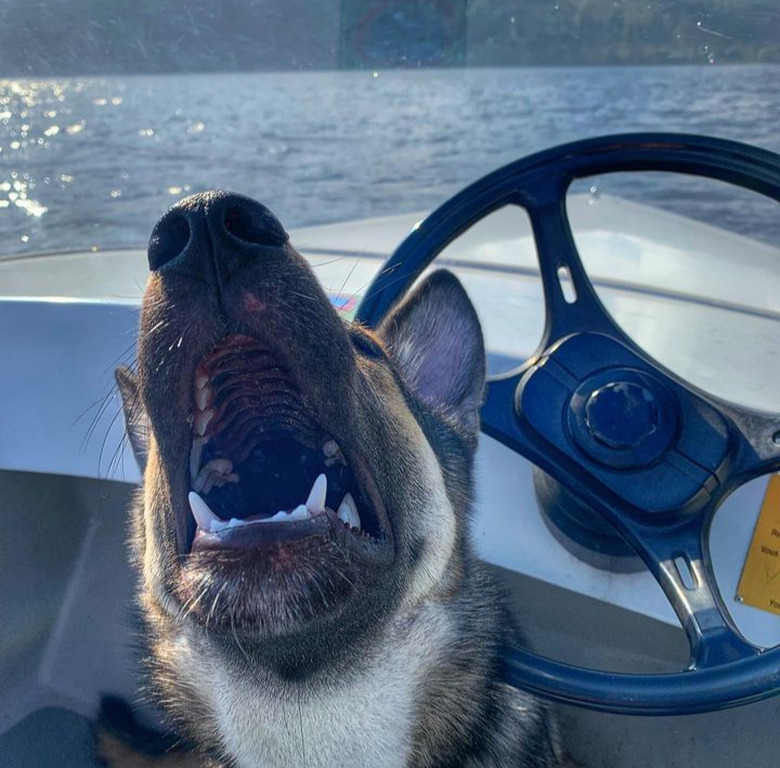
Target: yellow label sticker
759	585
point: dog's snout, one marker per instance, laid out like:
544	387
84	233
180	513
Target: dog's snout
218	227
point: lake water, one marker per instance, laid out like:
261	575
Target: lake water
91	163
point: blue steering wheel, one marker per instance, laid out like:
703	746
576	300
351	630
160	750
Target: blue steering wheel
660	470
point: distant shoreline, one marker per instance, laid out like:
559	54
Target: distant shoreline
368	71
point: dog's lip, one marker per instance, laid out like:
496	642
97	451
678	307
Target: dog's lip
272	536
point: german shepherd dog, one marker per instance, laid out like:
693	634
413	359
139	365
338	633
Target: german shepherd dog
310	593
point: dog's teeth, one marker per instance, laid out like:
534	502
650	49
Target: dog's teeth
348	512
316	500
333	454
202	421
330	449
201	380
202	397
301	512
204	517
209	474
221	465
196	452
208	484
278	517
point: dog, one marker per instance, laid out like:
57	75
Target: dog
310	594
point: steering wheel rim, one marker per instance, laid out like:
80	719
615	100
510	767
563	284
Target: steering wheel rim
707	449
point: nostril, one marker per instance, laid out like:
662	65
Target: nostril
169	239
246	226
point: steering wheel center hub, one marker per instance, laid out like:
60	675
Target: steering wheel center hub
623	418
622	415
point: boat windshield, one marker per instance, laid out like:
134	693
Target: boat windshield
347	109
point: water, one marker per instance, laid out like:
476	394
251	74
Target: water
91	163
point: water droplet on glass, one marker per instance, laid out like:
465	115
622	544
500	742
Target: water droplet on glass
594	193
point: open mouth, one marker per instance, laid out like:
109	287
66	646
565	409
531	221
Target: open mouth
261	465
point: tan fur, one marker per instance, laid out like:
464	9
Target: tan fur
118	755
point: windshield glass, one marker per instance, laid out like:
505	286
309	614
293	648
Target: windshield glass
341	110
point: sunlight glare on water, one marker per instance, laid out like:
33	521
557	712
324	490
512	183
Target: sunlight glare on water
98	159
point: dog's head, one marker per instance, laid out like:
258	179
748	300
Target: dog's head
303	476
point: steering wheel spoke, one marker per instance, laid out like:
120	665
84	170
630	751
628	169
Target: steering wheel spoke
570	300
679	560
757	450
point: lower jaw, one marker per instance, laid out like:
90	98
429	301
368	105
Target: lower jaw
273	591
315	531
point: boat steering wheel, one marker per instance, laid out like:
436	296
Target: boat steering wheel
660	470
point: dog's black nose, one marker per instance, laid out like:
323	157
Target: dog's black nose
220	226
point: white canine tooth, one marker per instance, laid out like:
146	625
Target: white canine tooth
348	512
201	380
301	512
204	517
202	397
316	500
202	421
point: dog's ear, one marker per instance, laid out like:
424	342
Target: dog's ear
435	337
136	420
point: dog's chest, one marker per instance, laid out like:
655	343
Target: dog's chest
366	723
368	720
